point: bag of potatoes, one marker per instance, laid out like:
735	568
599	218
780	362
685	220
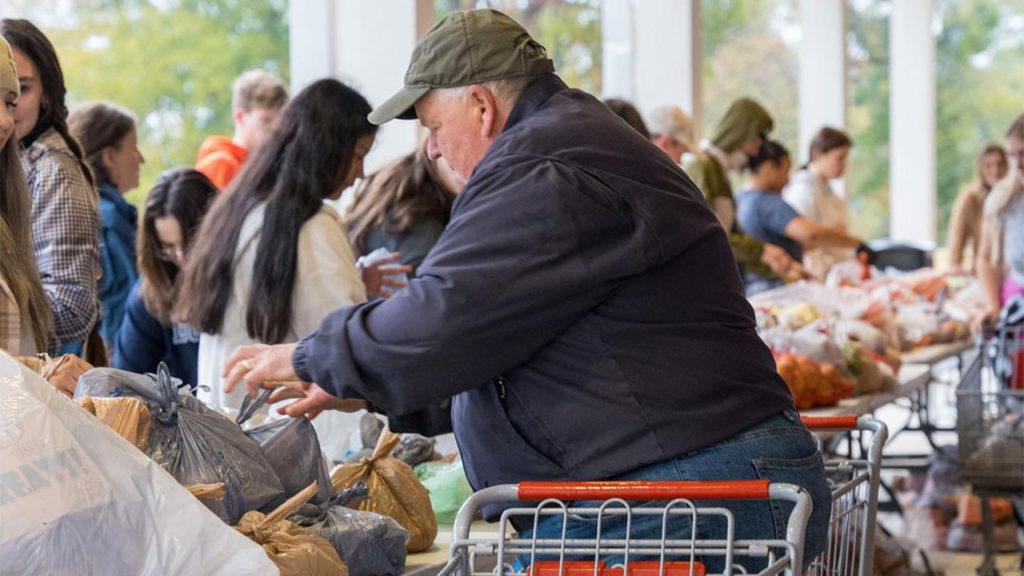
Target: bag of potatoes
395	491
126	416
295	551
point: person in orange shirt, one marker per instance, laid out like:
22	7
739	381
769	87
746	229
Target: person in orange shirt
257	99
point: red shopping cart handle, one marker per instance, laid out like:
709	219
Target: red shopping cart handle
586	568
647	490
829	422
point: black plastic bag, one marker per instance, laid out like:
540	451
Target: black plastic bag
292	448
194	443
369	430
368	543
414	449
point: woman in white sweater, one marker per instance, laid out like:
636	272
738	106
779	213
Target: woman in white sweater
271	260
810	194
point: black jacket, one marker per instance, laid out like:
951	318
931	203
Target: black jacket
582	311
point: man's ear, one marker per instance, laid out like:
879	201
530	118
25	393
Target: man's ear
663	141
238	114
484	109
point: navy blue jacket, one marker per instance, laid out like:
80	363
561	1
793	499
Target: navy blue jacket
143	343
582	311
117	247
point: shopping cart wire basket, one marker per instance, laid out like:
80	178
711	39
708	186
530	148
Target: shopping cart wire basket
854	485
605	502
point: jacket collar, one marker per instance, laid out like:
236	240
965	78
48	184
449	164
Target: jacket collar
109	193
533	97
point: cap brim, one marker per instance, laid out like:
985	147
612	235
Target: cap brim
398	106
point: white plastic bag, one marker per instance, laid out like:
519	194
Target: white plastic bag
76	498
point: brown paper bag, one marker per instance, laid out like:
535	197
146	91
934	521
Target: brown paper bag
207	491
127	416
394	491
295	551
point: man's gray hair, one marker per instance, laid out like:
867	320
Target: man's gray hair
506	91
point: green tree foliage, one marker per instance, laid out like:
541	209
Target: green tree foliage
980	80
868	119
171	62
569	29
745	54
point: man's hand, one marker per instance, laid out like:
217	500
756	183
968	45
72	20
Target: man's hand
262	366
777	259
313	401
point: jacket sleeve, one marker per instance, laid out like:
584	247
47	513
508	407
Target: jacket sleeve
65	239
747	250
141	341
501	282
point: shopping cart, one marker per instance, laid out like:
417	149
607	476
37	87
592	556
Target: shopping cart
476	554
854	484
990	424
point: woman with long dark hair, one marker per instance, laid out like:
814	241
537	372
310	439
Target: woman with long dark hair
110	144
174	209
64	215
271	260
403	207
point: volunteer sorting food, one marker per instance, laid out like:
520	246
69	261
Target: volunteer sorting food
581	317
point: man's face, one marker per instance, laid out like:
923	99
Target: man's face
255	126
461	129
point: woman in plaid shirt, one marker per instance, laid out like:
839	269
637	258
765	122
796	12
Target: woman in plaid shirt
64	212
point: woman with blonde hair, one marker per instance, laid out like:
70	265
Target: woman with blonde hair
25	319
965	218
64	207
1001	253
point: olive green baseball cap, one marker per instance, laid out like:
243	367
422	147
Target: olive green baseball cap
467	47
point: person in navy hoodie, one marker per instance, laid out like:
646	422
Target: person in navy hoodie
147	336
109	142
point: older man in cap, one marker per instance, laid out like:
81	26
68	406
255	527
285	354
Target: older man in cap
580	318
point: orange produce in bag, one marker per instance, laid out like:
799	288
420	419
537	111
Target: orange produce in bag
395	491
295	551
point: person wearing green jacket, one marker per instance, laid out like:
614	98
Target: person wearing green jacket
737	137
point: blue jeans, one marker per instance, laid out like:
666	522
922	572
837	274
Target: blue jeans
779	449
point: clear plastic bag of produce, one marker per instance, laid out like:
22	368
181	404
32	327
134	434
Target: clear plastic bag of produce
448	487
370	544
292	448
194	443
79	499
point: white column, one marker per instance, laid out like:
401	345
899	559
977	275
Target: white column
617	49
366	45
823	86
311	51
912	186
667	56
